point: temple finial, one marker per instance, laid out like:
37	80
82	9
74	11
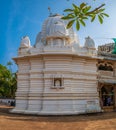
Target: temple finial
49	9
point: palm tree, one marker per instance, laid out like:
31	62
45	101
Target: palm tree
9	63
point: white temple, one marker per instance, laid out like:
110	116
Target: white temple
57	76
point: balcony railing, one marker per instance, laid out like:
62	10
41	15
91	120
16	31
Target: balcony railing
105	73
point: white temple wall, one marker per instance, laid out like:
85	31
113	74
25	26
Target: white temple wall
23	84
21	104
56	99
23	65
49	86
36	84
34	104
57	63
84	84
36	64
80	86
37	93
57	106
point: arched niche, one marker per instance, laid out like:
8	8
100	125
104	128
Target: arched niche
105	66
57	81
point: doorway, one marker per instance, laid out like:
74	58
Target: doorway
107	98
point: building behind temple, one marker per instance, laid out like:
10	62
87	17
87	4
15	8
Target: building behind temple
57	76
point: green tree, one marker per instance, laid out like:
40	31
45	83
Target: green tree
80	13
7	82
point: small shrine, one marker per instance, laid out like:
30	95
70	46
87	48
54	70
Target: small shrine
58	76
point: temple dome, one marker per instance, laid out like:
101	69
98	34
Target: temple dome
89	42
55	27
25	42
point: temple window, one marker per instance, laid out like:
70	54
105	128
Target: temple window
57	82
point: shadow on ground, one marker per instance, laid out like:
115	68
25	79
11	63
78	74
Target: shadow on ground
4	111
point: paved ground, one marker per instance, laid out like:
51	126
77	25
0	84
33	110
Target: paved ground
101	121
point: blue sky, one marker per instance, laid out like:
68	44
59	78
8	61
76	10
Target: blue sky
25	17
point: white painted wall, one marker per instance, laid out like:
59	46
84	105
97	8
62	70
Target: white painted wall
35	94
